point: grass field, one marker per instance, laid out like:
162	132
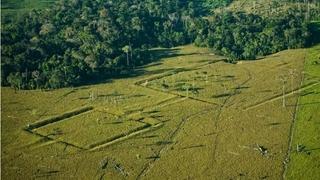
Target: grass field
189	115
14	8
305	154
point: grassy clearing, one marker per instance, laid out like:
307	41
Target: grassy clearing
221	122
11	9
305	148
25	4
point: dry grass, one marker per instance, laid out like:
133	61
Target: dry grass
213	130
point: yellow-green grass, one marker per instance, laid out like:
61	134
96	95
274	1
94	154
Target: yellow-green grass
11	9
230	141
88	129
216	82
200	136
305	148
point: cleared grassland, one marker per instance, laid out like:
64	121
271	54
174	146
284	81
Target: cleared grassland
305	147
187	116
14	8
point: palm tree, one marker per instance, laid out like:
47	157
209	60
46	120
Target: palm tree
126	49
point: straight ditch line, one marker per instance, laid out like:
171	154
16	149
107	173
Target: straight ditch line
119	136
53	140
291	132
148	165
170	73
277	97
55	119
164	103
145	128
126	136
108	142
177	71
183	96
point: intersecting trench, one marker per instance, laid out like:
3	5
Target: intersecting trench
147	126
221	106
153	125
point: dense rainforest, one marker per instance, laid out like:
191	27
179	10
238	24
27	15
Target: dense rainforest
80	40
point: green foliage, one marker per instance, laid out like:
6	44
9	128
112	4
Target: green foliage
247	36
217	3
77	41
314	28
15	80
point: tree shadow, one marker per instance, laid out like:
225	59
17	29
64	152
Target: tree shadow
156	56
313	149
160	53
241	87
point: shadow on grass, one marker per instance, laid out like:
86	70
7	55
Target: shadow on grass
313	149
224	95
241	87
156	56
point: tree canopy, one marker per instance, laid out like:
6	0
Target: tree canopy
75	41
246	36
